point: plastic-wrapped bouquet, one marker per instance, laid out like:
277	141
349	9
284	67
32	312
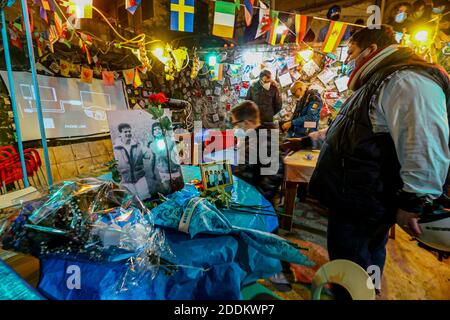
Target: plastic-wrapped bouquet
186	211
90	219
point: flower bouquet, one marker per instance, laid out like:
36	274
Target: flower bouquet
92	220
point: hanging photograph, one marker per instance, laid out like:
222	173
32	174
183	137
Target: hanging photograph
147	159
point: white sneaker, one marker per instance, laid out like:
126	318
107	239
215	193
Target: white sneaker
280	282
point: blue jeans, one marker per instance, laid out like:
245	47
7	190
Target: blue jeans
356	241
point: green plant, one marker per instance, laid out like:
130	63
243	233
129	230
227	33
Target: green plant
219	197
112	166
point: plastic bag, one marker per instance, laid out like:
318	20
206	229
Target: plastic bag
90	219
204	218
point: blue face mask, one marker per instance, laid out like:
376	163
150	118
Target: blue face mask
400	17
350	67
437	10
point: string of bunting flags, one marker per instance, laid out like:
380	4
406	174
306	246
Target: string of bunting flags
64	26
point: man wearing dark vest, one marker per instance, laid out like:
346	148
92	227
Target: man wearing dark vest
386	155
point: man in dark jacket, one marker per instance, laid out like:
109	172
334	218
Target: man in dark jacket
267	173
334	14
306	115
130	155
245	116
386	155
266	94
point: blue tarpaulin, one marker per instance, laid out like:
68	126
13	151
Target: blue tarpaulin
211	266
13	287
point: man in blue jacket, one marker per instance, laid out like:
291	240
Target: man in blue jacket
306	115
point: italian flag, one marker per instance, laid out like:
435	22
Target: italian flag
218	72
224	15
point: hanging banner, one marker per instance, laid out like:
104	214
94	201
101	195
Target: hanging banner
301	27
224	16
128	76
86	75
265	21
132	5
64	68
334	36
137	82
248	11
108	78
182	15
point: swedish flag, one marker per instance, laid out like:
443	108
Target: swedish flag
182	15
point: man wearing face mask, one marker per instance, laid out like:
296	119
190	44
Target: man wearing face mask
400	21
386	155
334	13
440	8
421	12
306	116
266	94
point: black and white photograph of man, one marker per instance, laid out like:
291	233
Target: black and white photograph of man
140	150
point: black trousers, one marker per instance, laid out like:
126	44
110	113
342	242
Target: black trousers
357	241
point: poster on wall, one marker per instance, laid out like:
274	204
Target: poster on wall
70	108
140	150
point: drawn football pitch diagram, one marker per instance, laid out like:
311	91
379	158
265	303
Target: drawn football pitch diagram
93	104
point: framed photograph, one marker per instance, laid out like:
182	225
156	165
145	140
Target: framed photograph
142	155
216	174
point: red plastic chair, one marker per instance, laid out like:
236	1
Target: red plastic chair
11	168
38	160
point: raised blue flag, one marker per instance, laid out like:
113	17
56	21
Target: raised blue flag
182	15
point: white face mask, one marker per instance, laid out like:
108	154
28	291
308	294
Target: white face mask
266	85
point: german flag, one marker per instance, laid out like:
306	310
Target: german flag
334	36
274	36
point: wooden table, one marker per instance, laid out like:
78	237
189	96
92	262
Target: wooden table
297	169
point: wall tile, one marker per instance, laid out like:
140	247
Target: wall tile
108	144
51	155
98	148
81	151
85	166
68	170
63	154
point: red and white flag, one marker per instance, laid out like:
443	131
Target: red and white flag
265	21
